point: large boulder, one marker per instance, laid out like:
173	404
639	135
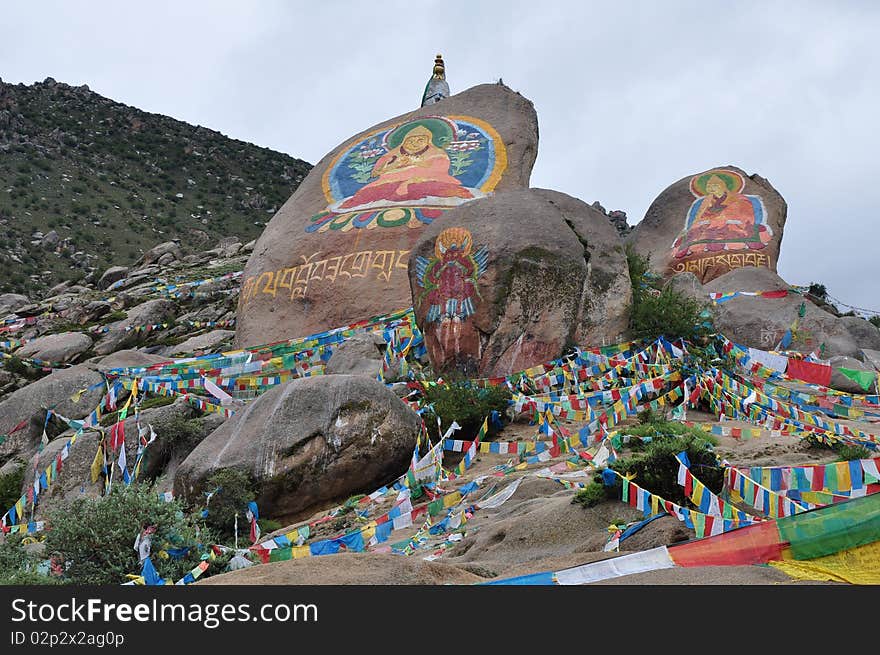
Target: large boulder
841	382
711	223
864	332
11	302
337	251
508	282
155	253
126	359
61	347
308	443
111	275
201	343
760	322
58	390
123	333
358	355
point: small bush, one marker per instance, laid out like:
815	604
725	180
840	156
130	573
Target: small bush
464	403
236	489
656	468
591	495
10	488
17	566
94	536
847	452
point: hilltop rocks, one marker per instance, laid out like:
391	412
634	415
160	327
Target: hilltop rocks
111	275
202	343
762	322
508	282
309	442
29	404
154	254
121	333
711	223
61	347
337	251
10	302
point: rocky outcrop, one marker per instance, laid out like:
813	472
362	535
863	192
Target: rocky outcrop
122	334
337	251
202	343
358	355
111	275
27	406
711	223
762	322
309	442
61	347
508	282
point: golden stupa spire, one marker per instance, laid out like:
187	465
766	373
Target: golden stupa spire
439	69
436	89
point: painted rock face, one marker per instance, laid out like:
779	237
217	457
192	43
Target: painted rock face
508	282
337	251
711	223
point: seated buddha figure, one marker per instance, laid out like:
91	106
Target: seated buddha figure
414	170
722	217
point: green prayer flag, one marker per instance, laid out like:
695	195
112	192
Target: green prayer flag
863	378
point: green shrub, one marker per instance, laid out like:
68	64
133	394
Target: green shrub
847	452
667	313
875	321
591	495
17	566
464	403
656	468
10	488
233	490
94	536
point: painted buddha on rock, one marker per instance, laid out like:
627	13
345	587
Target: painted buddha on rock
722	218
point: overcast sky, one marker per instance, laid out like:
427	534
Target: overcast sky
631	96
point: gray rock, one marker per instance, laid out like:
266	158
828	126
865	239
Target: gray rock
61	347
148	313
58	288
156	252
308	443
864	332
50	240
761	322
842	383
357	355
688	285
29	404
111	275
871	357
555	275
200	344
126	359
11	302
166	259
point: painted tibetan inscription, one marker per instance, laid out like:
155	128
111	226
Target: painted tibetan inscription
410	174
724	228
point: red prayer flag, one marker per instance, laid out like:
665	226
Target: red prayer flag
809	371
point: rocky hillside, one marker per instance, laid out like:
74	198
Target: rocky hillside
86	182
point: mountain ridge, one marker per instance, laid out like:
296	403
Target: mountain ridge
87	182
